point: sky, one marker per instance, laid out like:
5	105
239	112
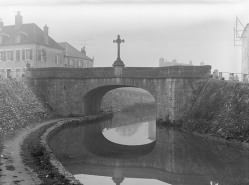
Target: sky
196	30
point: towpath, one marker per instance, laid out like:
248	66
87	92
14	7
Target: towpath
13	171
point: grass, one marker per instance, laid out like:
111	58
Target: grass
37	158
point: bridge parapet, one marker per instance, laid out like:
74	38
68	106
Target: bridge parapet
131	72
170	71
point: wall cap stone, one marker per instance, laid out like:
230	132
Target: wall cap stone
54	161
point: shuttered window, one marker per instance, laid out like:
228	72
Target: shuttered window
9	56
27	54
57	58
18	55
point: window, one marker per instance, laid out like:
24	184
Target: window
71	62
57	58
42	55
2	73
79	63
17	38
84	64
8	73
9	56
18	55
18	72
2	55
27	54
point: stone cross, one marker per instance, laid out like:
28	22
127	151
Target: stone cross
118	41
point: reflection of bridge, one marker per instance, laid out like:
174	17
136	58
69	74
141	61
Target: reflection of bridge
175	157
80	91
133	94
122	120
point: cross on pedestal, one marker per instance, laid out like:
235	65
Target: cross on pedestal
118	62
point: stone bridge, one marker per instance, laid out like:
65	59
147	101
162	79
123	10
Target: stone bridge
79	91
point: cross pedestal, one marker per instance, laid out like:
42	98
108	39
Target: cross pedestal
118	64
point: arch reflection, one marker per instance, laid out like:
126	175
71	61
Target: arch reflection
175	157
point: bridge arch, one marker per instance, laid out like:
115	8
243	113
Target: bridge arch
93	98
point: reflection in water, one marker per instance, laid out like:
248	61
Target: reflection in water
134	134
174	158
128	130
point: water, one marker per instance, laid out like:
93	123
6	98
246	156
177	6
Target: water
134	150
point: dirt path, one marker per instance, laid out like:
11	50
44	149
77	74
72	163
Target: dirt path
12	169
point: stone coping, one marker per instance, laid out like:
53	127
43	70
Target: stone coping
54	161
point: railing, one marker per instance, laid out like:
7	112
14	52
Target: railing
240	77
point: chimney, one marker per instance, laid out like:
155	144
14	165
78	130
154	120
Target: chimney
18	20
161	62
45	34
83	50
1	23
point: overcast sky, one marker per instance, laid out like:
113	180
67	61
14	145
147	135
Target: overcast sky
174	29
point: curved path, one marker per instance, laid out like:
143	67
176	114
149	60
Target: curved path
12	169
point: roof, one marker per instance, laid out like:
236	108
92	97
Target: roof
73	52
35	35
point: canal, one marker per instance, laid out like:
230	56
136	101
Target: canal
135	150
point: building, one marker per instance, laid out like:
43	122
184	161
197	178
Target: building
23	45
163	63
74	58
245	50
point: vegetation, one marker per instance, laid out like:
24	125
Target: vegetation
37	158
140	107
221	110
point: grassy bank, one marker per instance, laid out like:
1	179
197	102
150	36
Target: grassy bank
221	110
37	158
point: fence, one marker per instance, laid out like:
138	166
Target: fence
240	77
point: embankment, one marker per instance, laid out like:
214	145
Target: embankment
20	105
222	110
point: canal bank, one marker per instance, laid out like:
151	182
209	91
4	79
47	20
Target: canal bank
13	169
220	111
25	159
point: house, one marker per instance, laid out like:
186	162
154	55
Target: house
23	45
163	63
75	58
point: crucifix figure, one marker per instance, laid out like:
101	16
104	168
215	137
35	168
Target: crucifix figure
118	41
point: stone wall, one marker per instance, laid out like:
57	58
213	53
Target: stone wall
221	109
